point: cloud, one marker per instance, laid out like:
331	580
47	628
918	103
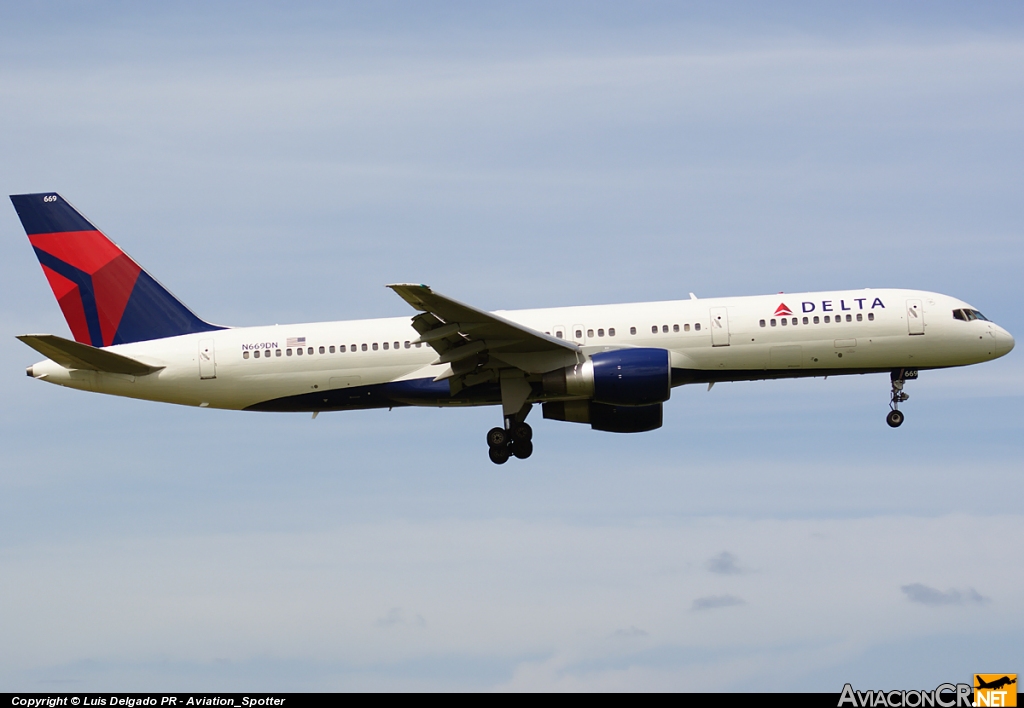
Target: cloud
921	593
712	602
396	616
723	564
630	633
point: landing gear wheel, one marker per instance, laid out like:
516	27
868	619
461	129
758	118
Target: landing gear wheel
521	448
497	437
522	431
894	419
499	455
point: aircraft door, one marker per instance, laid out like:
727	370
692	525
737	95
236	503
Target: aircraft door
915	317
207	360
719	327
578	334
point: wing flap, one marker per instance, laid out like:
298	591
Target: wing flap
75	355
448	324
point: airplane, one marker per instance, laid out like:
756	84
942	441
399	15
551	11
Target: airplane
996	684
608	366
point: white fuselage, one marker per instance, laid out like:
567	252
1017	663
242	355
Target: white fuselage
717	339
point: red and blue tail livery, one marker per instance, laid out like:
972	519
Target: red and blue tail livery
106	297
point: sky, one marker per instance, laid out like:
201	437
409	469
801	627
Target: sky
275	164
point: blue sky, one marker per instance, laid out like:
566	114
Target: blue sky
273	165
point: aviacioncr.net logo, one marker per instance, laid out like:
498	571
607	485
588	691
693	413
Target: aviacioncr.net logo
945	695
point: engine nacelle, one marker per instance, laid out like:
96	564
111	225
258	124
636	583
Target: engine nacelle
611	419
624	377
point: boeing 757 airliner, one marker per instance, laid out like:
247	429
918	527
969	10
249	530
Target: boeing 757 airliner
609	366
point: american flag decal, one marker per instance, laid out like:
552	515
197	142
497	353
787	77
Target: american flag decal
296	342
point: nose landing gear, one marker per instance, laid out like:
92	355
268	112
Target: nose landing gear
514	440
898	377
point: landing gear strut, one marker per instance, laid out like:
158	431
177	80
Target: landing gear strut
514	440
898	378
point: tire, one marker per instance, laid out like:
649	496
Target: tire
498	455
497	437
522	448
522	431
894	419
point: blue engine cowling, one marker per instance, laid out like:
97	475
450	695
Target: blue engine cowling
632	377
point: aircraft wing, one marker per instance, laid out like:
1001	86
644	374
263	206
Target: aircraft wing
75	355
470	339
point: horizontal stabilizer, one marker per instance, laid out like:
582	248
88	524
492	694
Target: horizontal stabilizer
75	355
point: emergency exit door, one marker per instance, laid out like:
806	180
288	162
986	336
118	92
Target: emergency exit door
719	327
207	360
915	317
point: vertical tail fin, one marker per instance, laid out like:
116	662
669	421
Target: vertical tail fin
106	297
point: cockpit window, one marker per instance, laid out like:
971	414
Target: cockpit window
967	315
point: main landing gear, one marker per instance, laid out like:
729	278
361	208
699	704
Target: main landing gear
514	440
898	378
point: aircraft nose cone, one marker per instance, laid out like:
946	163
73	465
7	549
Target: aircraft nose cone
1004	342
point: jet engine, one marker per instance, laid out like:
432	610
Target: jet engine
620	391
624	377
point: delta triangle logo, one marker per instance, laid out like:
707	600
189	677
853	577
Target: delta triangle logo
782	310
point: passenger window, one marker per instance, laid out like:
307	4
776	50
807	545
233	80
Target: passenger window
419	344
407	344
816	320
871	316
245	355
590	333
611	331
806	321
364	347
762	323
860	317
256	354
600	333
794	320
849	319
322	350
299	351
773	322
664	328
385	346
288	352
686	327
331	350
697	326
632	330
827	320
558	333
341	348
784	321
396	345
675	328
579	334
310	351
375	346
278	352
